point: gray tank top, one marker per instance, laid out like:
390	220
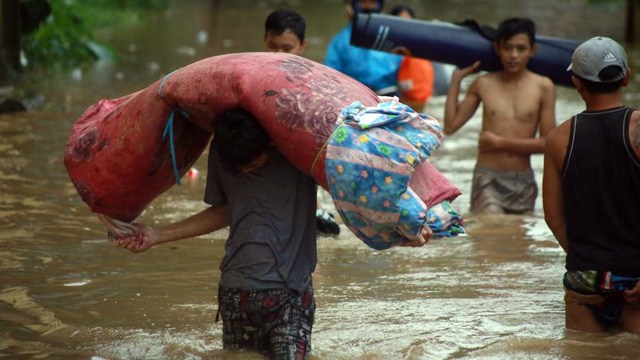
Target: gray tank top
272	238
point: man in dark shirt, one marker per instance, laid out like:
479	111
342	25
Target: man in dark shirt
591	193
265	296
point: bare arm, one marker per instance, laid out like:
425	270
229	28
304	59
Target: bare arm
490	141
457	114
547	110
552	197
207	221
632	296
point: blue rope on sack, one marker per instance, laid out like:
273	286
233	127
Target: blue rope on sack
169	129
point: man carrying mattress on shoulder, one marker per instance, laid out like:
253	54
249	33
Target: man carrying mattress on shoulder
265	297
517	104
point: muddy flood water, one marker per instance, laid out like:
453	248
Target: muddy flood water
66	293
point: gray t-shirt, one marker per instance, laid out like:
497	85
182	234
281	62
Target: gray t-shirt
272	238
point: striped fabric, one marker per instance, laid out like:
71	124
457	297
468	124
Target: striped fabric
370	160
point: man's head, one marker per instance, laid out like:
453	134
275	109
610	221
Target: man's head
240	141
514	26
600	63
284	32
515	44
403	11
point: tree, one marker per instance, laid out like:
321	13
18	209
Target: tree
10	31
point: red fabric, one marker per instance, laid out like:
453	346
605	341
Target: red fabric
295	99
117	159
119	163
431	186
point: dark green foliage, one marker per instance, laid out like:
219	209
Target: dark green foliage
65	37
61	39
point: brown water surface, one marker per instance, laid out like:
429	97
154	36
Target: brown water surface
66	293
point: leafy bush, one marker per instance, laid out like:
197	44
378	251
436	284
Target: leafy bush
65	37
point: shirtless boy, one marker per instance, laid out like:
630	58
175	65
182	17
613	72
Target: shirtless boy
517	104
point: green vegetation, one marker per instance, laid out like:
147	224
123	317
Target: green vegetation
66	37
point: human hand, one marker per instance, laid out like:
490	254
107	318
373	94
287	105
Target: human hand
489	141
464	72
139	241
632	296
425	235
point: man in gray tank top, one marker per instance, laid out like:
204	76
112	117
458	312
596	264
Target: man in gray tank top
265	296
591	194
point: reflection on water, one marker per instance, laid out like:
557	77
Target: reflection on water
66	293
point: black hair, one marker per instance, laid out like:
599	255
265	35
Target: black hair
239	139
280	20
609	72
514	26
396	10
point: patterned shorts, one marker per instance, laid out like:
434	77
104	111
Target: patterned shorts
600	291
276	323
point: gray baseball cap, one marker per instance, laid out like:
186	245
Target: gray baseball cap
595	54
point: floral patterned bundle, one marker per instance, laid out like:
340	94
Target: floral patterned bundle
370	161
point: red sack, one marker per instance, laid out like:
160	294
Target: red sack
119	160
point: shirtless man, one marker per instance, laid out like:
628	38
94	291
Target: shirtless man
517	104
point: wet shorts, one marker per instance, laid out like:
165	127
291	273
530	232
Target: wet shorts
276	323
514	192
600	291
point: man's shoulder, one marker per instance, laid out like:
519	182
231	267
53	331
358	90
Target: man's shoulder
489	79
280	162
556	142
634	126
485	85
541	80
560	132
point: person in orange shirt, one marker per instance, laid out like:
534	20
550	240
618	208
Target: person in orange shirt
415	76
